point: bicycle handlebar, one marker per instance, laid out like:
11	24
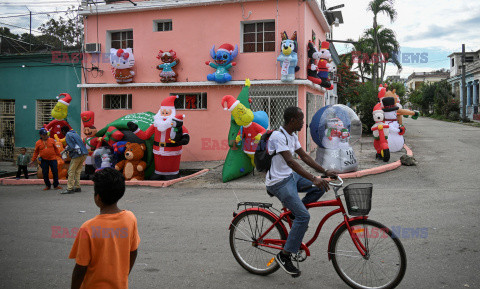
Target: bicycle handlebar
333	184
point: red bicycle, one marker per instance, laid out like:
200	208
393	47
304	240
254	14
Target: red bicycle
364	253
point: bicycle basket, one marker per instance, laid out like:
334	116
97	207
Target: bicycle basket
358	198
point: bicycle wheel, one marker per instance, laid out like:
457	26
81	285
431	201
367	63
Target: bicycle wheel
246	228
385	263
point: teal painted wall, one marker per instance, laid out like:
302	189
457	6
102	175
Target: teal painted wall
39	79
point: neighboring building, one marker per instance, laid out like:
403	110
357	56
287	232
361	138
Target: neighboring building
417	79
472	77
190	28
395	78
30	84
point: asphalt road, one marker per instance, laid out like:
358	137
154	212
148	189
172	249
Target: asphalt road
184	229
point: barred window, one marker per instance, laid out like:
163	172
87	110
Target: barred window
44	112
258	36
122	39
273	100
117	101
194	100
162	25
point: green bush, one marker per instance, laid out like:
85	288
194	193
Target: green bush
454	115
369	98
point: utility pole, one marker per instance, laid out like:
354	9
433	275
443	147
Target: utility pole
464	88
30	31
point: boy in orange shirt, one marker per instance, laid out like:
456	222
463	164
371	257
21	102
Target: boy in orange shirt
105	247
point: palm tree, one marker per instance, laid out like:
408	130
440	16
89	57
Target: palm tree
387	43
380	6
363	47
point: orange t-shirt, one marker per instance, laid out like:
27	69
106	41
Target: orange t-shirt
104	244
47	150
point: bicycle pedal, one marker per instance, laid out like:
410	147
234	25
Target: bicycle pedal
296	275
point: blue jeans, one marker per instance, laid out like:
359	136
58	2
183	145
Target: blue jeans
45	164
287	192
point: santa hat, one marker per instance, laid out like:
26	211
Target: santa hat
88	118
66	100
381	91
231	102
179	117
378	106
325	45
169	102
226	47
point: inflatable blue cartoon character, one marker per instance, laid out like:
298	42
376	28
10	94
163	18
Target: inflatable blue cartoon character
223	62
288	57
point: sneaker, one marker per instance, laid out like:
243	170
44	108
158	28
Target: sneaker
58	188
67	192
285	262
77	190
46	188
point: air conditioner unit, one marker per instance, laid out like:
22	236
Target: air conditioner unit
92	48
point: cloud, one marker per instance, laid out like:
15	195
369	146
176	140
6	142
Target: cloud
434	32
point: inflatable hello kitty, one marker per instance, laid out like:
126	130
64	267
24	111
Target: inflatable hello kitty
122	61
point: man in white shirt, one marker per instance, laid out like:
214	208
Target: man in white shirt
286	176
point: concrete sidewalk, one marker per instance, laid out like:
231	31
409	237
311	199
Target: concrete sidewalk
210	175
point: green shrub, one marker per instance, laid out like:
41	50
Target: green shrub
454	115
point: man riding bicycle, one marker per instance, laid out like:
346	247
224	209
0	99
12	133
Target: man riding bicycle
286	176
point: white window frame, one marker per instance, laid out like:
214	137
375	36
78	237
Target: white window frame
108	45
242	24
156	22
46	117
200	97
128	101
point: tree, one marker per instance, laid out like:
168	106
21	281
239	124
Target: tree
399	90
386	7
388	45
64	32
442	96
347	85
368	99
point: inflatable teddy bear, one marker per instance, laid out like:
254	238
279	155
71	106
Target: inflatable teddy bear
133	167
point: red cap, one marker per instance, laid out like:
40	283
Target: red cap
231	102
169	102
66	100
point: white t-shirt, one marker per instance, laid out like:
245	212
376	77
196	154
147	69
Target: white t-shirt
277	142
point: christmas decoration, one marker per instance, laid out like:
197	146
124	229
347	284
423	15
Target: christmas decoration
313	57
380	134
122	61
167	153
288	57
334	128
169	59
223	59
133	167
59	113
324	67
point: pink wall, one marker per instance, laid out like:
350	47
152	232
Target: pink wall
195	30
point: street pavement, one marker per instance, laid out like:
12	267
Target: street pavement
184	228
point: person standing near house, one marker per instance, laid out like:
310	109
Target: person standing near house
78	153
22	163
47	152
286	177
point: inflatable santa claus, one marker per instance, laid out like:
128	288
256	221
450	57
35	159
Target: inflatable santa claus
91	142
167	146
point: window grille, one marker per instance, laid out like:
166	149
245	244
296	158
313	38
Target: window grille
44	112
273	100
258	36
122	39
7	129
162	25
194	100
117	101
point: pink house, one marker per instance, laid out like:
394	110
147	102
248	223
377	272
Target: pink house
190	28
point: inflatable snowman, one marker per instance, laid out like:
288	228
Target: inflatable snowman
334	128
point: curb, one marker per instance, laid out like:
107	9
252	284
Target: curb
377	170
163	184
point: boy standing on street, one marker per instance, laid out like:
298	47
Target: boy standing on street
105	247
47	152
22	163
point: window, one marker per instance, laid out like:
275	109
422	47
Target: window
259	36
453	62
122	39
44	112
195	100
117	101
273	100
162	25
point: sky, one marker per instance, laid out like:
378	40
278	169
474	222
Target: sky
432	28
435	27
